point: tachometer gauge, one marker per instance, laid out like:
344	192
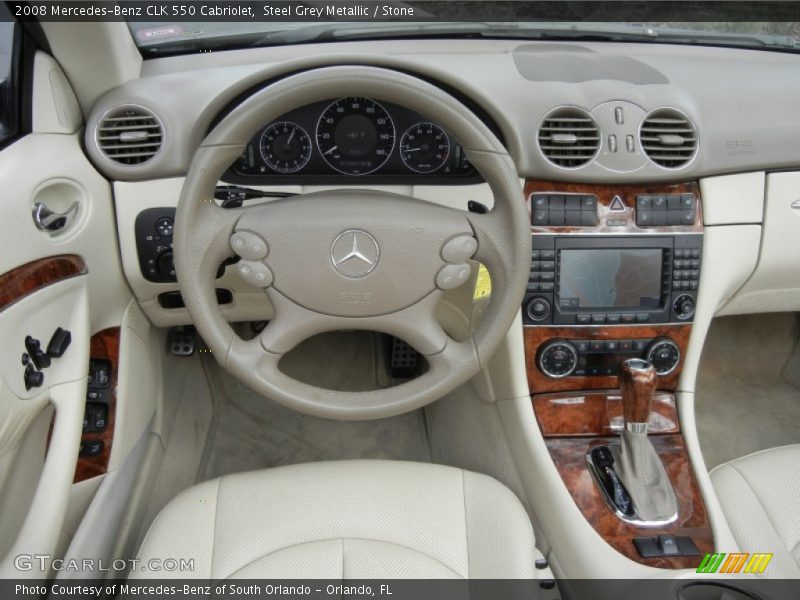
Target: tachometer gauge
355	136
285	147
424	147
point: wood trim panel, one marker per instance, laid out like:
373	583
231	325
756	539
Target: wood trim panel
536	336
33	276
598	414
104	344
627	193
569	456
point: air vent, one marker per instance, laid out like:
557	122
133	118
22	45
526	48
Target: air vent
668	138
130	135
569	137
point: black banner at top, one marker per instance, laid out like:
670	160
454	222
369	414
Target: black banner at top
407	11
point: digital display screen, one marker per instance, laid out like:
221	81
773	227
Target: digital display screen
629	278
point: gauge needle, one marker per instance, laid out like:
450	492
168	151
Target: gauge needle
331	150
291	136
412	149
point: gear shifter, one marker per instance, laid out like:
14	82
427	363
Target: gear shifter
635	461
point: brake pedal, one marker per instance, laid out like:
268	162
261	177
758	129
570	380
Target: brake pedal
182	341
404	359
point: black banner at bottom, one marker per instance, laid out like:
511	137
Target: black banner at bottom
709	588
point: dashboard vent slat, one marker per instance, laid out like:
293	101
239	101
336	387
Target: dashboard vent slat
569	137
129	135
668	138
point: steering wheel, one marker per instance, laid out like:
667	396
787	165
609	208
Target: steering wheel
352	259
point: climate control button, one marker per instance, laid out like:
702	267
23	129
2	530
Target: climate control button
558	359
664	355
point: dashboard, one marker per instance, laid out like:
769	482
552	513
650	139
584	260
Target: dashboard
355	138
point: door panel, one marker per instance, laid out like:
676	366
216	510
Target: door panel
69	278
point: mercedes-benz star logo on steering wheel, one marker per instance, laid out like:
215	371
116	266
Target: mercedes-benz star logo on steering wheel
354	253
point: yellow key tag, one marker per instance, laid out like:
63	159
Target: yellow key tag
483	284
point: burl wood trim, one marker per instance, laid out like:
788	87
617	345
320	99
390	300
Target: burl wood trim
104	344
569	456
33	276
592	414
637	386
605	194
535	336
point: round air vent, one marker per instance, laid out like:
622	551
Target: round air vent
668	138
129	135
569	137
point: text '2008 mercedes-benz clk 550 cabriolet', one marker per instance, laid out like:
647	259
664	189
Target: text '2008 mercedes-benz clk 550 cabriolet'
400	300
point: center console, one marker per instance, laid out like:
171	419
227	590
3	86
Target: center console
614	281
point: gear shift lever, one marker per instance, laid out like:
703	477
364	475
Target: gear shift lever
638	382
633	462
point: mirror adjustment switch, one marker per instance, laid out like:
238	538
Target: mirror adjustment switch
59	343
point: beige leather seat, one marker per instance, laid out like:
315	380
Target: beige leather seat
350	519
760	496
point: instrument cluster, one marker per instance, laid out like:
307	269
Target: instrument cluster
355	138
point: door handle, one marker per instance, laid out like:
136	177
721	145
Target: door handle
47	220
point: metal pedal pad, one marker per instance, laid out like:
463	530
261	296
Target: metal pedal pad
404	359
182	341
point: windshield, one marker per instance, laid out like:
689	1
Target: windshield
176	37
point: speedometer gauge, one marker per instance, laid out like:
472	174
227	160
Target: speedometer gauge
424	147
355	136
285	147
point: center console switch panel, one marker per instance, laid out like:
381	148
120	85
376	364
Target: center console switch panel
612	280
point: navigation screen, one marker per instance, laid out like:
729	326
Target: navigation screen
610	278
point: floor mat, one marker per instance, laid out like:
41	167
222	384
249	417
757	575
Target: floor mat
251	432
746	398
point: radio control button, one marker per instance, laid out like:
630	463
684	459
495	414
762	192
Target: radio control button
459	249
548	276
450	277
538	309
626	345
548	286
640	345
255	273
628	318
612	346
598	318
248	245
583	319
548	265
684	307
642	318
613	319
548	254
536	255
695	253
